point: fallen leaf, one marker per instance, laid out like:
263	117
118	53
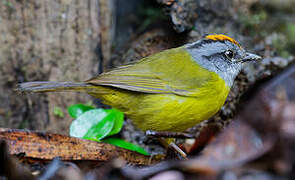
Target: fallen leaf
236	145
34	144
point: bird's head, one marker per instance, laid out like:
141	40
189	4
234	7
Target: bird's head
220	54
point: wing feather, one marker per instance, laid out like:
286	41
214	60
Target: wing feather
135	82
155	74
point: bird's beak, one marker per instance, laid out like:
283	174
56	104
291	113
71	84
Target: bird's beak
250	57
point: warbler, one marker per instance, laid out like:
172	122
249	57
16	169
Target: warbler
172	90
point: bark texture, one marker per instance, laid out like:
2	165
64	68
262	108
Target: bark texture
46	40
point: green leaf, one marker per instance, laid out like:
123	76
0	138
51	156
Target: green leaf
96	124
86	121
78	109
101	129
118	117
57	111
126	145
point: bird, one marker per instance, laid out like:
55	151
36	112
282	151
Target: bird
171	90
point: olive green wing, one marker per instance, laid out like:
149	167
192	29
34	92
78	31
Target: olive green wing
129	79
168	72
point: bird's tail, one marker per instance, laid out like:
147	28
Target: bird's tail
47	86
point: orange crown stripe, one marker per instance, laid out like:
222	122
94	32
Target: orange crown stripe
221	37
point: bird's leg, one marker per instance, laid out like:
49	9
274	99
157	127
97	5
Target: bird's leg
170	144
169	134
178	150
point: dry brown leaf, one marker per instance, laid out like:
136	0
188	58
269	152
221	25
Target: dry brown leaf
46	146
238	144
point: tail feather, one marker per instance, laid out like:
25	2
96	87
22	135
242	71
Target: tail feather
47	86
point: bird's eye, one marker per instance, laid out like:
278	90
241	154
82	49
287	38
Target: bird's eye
229	54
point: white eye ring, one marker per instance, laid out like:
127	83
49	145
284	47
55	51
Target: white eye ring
229	54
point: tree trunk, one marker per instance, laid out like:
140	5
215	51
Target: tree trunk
46	40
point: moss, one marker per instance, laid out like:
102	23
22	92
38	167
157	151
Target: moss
254	23
150	14
290	33
285	40
57	111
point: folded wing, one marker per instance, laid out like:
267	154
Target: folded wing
169	72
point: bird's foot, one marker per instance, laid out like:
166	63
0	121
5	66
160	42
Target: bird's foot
173	148
170	144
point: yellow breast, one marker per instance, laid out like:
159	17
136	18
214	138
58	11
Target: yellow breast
169	112
175	113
